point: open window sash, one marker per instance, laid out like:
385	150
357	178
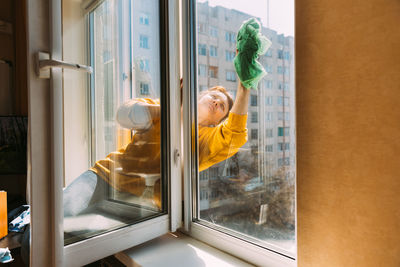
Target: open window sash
47	133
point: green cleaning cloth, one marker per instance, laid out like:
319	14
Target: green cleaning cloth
250	45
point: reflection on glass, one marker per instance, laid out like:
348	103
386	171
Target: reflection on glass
251	192
124	184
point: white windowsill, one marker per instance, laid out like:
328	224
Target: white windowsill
176	249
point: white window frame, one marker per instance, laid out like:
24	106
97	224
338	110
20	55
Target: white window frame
232	244
47	236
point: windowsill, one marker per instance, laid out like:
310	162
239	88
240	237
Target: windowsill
176	249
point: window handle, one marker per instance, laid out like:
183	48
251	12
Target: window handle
44	64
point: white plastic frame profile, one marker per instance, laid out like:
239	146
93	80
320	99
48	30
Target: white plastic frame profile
89	250
231	244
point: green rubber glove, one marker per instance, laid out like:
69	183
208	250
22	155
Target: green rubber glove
250	45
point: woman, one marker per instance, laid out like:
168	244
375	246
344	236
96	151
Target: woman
222	131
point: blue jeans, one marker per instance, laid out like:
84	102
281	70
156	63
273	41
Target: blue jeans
83	192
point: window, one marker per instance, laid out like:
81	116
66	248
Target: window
144	65
283	146
213	51
254	117
231	76
230	37
283	131
202	70
269	148
202	28
213	72
283	116
229	55
144	41
144	89
268	100
280	54
213	31
110	38
242	184
268	68
283	70
268	84
269	116
202	50
286	55
283	161
284	86
283	101
254	134
269	133
253	100
144	19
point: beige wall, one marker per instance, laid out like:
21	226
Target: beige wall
348	112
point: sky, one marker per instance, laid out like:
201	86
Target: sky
281	12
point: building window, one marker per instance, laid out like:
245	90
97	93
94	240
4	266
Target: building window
144	19
144	65
268	68
213	31
280	54
202	70
230	37
214	12
144	41
229	55
286	55
201	27
213	51
283	146
269	148
268	84
203	195
268	100
269	132
283	70
283	101
254	117
202	50
283	131
284	86
213	72
231	76
254	134
144	88
253	100
269	116
284	162
283	116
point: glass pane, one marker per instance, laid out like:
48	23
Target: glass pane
247	186
122	183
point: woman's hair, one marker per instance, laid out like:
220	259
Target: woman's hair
222	90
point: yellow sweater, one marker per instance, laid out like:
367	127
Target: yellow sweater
142	154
